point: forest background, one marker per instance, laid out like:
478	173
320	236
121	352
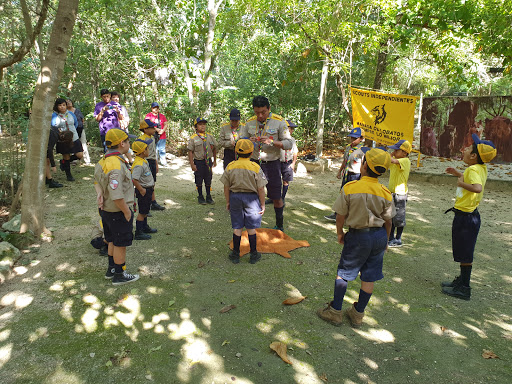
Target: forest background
204	57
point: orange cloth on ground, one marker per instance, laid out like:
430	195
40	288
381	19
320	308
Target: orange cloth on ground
270	241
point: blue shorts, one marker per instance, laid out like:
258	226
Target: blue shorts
203	173
116	229
465	230
363	252
287	171
272	171
144	202
229	156
244	208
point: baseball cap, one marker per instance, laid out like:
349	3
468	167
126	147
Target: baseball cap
140	145
244	146
378	160
115	136
486	148
146	123
155	104
290	124
403	145
198	120
356	132
234	114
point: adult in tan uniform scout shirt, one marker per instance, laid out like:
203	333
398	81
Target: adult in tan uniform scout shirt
270	134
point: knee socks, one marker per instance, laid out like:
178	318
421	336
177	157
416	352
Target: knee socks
236	242
285	190
279	216
340	287
362	301
207	187
252	242
139	225
465	274
392	233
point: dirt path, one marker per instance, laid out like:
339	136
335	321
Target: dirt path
62	322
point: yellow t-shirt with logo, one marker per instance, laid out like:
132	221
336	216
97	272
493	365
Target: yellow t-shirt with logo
398	176
465	200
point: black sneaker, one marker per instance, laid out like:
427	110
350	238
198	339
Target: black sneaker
255	257
156	207
331	217
124	278
453	283
458	291
148	229
201	200
209	200
139	235
110	273
104	250
234	256
70	177
53	184
279	228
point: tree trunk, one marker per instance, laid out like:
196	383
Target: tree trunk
32	206
321	108
213	8
382	64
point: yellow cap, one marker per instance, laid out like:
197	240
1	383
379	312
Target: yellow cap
486	152
140	146
378	160
244	146
404	145
115	136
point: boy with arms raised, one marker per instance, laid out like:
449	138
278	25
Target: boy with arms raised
398	177
114	188
466	223
244	189
366	207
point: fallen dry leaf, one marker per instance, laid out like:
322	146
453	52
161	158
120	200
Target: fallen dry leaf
227	308
489	354
280	349
200	265
323	377
443	329
294	300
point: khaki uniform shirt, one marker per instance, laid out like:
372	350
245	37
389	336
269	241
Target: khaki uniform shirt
366	203
151	146
287	154
196	145
243	175
228	137
276	127
355	159
142	173
114	177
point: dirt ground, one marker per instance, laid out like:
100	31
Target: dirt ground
62	322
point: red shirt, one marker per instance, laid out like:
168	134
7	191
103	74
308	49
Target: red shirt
160	119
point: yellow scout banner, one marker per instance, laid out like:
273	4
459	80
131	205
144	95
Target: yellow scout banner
385	118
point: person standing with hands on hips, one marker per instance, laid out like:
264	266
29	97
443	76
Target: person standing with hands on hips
269	134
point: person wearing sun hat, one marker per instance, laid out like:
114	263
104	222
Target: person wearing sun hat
244	190
466	223
144	185
114	189
398	177
366	207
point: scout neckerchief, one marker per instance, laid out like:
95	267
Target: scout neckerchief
348	152
205	148
262	127
65	118
234	133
